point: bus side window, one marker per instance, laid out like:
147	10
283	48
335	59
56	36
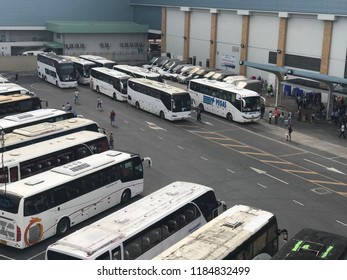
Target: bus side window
173	226
154	236
115	253
182	219
133	248
14	174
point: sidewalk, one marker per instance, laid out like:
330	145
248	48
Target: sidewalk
323	136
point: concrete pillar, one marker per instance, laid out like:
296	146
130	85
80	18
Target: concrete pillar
213	39
186	35
163	29
281	54
244	43
325	57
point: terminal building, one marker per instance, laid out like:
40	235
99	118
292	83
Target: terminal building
283	42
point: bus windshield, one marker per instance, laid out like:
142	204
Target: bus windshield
9	202
181	102
251	104
67	72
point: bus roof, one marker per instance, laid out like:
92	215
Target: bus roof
158	85
46	147
79	60
14	97
231	228
30	132
95	58
8	88
136	70
112	72
225	86
61	174
312	244
58	58
130	219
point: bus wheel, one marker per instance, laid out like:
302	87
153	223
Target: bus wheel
137	105
63	226
162	115
126	195
97	89
114	96
229	117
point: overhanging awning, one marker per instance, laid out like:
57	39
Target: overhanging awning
54	45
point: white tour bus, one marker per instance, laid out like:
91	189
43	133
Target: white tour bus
144	228
99	60
83	68
240	233
49	203
10	123
138	72
56	70
36	133
225	100
109	82
168	102
29	160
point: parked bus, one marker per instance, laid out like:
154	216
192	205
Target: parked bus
144	228
138	72
11	89
56	70
49	203
99	60
36	158
10	123
168	102
241	233
313	244
222	99
109	82
18	103
83	68
44	131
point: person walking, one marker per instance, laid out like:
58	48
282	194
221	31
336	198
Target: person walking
16	78
262	111
276	114
289	133
111	141
198	112
99	104
270	116
342	129
76	95
112	117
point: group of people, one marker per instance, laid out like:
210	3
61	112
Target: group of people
283	120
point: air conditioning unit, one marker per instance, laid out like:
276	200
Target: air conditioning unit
107	45
136	44
121	45
66	45
77	45
102	45
70	45
131	45
82	45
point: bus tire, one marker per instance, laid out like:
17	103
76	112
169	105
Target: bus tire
162	115
97	89
137	105
229	117
114	96
63	226
126	195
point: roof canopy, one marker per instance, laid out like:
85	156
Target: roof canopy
306	79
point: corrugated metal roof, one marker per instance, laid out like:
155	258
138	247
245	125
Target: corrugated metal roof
95	27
